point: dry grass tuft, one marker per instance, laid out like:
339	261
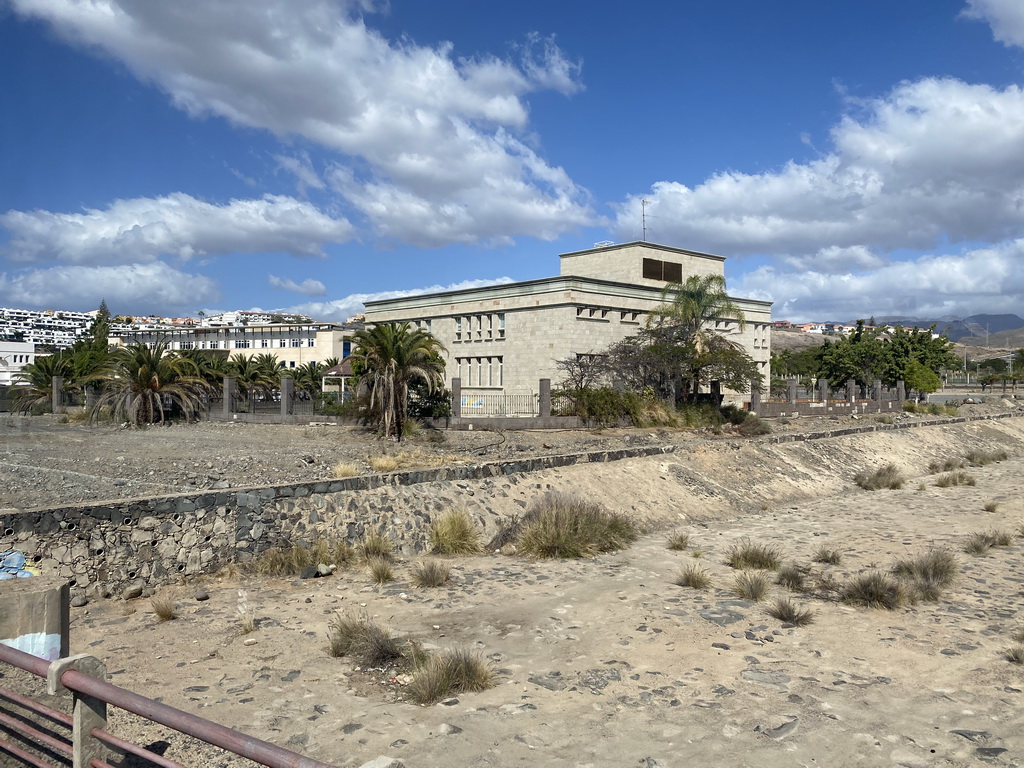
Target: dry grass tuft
344	469
564	525
376	545
788	612
1015	654
416	459
945	465
928	575
981	542
991	506
380	570
449	672
792	577
678	541
164	608
363	640
747	554
957	477
431	573
828	556
1018	635
980	458
282	563
888	476
454	534
875	590
246	614
693	576
751	586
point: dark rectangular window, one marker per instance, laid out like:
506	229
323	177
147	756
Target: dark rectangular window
652	269
655	269
673	272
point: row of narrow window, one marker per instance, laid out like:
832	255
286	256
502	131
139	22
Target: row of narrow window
476	327
481	371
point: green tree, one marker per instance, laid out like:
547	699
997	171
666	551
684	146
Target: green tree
141	380
920	377
33	384
392	356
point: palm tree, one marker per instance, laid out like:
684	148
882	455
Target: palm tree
392	355
309	378
141	379
687	315
33	384
255	376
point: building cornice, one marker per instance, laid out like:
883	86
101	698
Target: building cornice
644	244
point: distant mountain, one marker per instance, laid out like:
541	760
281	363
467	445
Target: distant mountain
974	326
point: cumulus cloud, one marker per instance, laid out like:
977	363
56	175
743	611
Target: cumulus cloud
1006	17
932	286
129	288
936	160
339	310
143	229
416	128
309	287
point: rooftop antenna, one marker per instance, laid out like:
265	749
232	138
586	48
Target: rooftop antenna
644	202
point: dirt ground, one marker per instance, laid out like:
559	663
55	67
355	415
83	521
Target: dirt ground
606	662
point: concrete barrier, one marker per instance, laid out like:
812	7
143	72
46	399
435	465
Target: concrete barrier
34	615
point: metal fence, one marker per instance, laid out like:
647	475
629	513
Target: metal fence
527	404
81	739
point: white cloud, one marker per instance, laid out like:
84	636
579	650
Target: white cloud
301	167
338	310
416	128
144	229
309	287
935	160
981	280
127	289
1006	17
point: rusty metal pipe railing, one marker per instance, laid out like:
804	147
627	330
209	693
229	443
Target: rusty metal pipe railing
126	746
26	757
17	726
40	709
241	744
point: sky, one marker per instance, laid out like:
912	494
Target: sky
849	158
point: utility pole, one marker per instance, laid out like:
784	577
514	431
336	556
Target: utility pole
643	215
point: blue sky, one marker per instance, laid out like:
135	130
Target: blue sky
849	158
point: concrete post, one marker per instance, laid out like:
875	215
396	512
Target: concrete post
823	390
545	398
228	394
457	398
878	390
57	394
92	394
901	391
755	397
88	713
851	391
35	614
287	390
791	385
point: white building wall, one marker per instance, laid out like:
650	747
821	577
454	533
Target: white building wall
14	355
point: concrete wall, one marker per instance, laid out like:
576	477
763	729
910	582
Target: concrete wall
34	616
623	262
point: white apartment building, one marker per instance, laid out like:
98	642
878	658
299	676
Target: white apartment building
294	345
57	328
14	355
505	338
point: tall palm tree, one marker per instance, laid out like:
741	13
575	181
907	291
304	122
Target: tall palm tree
33	384
141	379
309	378
687	316
256	376
392	355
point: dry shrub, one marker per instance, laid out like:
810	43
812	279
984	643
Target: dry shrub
344	469
454	534
875	590
376	545
751	586
678	541
945	465
930	574
380	570
565	525
285	562
1015	654
1018	635
449	672
788	612
981	542
792	577
957	477
747	554
385	463
431	573
980	458
164	608
991	506
693	576
887	476
416	459
754	425
828	556
363	640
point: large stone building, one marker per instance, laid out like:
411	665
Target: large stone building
505	338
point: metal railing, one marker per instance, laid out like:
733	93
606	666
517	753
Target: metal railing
89	739
500	405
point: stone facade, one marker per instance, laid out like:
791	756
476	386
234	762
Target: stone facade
504	338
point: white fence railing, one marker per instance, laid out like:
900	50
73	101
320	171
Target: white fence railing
527	404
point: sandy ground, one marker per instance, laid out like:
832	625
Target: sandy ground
606	662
